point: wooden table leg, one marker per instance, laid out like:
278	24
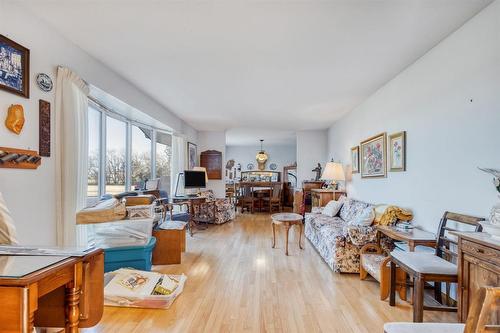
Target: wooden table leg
418	300
274	234
287	229
300	235
31	322
72	307
392	295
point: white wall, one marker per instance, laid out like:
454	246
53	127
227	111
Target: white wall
311	150
30	195
281	155
214	140
449	104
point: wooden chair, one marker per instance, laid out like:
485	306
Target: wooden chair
274	199
485	304
438	268
374	262
247	199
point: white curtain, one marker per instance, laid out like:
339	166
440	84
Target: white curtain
71	107
178	162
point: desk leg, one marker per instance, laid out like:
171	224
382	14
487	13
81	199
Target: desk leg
72	309
31	322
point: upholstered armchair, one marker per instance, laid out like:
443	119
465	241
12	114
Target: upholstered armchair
216	210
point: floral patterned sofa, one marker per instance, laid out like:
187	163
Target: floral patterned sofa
337	241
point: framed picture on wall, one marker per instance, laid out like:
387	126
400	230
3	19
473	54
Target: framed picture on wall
355	159
374	156
192	153
14	67
397	151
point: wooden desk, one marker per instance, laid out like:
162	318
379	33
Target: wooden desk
193	203
478	266
68	293
413	237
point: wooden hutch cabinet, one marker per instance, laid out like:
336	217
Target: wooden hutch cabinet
478	266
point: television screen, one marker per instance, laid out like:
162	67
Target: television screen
194	179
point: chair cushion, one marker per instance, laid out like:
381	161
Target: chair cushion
371	263
423	327
427	263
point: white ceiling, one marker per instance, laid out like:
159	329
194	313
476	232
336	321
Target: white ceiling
288	65
251	136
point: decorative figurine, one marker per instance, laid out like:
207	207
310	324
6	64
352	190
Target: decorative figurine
15	118
318	170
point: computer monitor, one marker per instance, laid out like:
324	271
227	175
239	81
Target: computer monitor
194	179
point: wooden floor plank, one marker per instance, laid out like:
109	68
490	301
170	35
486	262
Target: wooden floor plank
238	283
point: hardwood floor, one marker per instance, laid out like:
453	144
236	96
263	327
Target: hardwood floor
238	283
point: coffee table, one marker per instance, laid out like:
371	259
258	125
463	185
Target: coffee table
286	219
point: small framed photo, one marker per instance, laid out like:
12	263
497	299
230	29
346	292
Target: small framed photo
355	159
14	67
397	151
192	151
374	156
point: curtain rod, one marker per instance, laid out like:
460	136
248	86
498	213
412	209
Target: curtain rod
135	122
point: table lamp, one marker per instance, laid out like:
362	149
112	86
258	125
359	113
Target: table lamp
333	172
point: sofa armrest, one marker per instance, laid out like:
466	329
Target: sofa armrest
361	235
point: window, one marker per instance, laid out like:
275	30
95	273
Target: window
124	153
141	156
164	159
116	141
94	136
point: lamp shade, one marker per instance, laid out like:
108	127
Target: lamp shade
333	171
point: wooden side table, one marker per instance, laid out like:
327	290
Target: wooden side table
287	219
413	237
320	197
170	242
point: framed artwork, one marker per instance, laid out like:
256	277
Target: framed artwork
374	156
192	151
355	159
14	67
397	150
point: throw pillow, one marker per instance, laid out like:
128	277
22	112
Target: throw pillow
7	229
332	208
365	218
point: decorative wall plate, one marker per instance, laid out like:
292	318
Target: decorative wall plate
44	82
250	166
273	166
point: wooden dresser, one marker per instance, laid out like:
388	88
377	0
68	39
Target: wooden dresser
320	197
478	266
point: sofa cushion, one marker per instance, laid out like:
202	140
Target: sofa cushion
7	229
352	208
332	208
365	218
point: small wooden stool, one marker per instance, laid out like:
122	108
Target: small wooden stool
170	242
287	219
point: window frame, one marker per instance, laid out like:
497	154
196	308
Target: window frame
104	113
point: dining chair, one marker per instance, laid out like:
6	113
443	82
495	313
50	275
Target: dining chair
439	267
274	198
247	199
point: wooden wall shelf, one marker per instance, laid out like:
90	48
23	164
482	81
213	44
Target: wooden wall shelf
22	159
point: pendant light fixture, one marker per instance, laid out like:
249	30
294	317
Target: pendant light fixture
261	157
